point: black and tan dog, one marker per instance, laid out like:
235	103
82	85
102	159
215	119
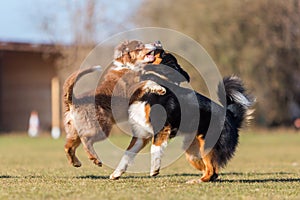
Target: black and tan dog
89	119
189	112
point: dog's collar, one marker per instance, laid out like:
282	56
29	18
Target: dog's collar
120	65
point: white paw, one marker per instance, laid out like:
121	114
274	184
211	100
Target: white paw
115	175
154	173
153	87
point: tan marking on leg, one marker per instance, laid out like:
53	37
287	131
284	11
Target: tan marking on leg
193	155
147	113
209	169
204	163
208	160
162	136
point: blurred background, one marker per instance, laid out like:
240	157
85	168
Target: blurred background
41	42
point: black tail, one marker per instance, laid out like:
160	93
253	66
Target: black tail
71	80
239	103
238	109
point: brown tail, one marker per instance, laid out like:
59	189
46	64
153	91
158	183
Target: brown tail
70	82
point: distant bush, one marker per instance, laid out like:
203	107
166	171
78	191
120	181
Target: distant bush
257	40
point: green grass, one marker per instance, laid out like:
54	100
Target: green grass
266	166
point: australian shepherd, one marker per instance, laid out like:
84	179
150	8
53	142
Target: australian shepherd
89	118
182	107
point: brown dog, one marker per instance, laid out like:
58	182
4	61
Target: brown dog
90	119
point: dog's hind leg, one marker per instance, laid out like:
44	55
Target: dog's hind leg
70	148
91	130
134	147
72	140
193	155
87	143
159	143
211	167
210	173
202	161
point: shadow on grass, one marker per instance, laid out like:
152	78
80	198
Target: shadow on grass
122	177
256	180
262	180
27	177
185	175
7	176
255	173
220	180
92	177
276	180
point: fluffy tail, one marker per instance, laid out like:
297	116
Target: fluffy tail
238	109
70	82
238	102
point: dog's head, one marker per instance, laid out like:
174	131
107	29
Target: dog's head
130	53
166	66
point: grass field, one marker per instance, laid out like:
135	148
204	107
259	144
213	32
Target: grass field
266	166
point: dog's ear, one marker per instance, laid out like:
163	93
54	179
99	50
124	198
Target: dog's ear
121	49
171	61
135	45
126	58
132	55
186	75
158	44
117	54
125	48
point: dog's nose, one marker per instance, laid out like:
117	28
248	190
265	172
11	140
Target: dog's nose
158	44
150	47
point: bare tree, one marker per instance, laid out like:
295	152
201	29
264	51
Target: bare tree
85	24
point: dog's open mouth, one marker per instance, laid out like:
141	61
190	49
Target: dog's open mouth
149	57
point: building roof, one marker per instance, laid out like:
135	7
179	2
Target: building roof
28	47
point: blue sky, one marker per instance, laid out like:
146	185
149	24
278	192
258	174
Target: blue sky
22	20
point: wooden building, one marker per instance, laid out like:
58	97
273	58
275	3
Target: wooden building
26	73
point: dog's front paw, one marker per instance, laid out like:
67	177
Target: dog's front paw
97	162
158	90
154	173
115	175
76	164
153	87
